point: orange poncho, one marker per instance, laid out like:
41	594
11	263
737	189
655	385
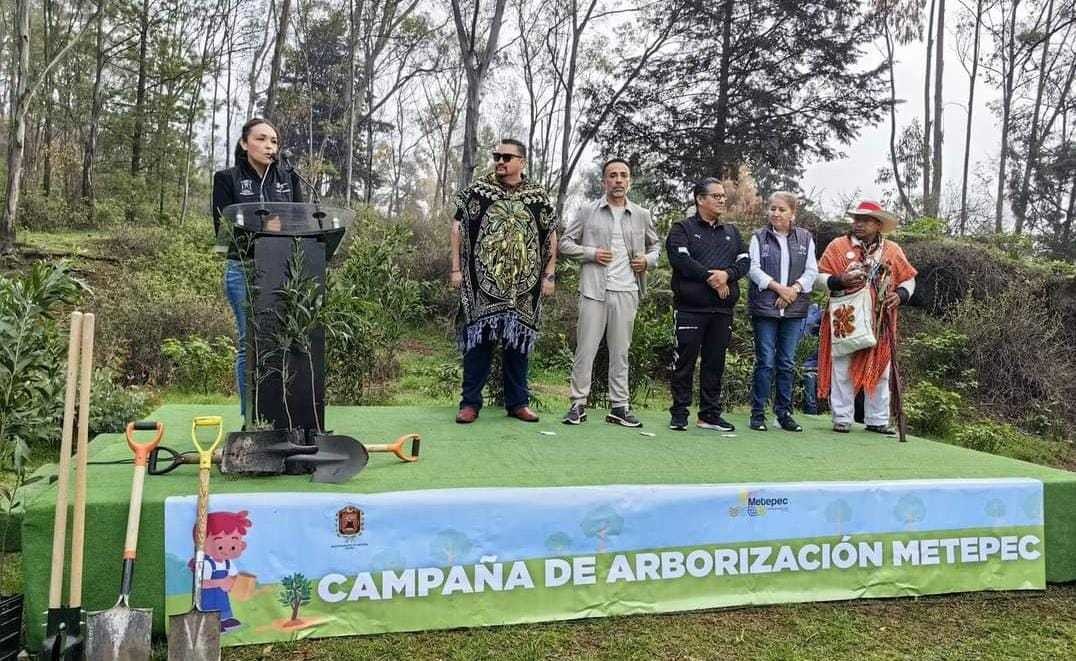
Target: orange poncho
868	365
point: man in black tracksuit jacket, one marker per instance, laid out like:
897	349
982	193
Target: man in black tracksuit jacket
707	258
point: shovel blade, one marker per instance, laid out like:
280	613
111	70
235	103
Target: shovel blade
259	452
63	634
119	634
339	458
194	636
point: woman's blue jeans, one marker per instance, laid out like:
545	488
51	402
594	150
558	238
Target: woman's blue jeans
776	340
235	287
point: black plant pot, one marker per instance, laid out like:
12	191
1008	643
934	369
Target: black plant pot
10	626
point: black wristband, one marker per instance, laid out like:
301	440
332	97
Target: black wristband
834	282
904	295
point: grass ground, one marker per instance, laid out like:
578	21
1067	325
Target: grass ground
974	626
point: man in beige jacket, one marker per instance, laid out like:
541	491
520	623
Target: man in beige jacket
617	243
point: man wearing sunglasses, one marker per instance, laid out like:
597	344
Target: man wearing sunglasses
504	238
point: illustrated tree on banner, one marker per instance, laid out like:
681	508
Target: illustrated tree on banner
602	523
910	510
294	593
450	545
558	543
839	513
995	509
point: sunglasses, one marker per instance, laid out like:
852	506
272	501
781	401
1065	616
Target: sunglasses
507	158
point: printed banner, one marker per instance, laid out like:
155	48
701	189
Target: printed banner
290	565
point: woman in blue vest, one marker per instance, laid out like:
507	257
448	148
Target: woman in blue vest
783	269
255	177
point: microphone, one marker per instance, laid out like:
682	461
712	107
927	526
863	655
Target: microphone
284	159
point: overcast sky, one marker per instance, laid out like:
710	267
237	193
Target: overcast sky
839	179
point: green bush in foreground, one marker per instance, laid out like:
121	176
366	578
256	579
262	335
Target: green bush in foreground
930	409
1007	441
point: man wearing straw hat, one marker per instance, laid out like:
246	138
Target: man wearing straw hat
863	258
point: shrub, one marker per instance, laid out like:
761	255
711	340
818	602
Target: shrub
1016	347
940	355
930	409
442	380
951	270
32	356
198	364
40	212
113	406
169	288
1007	441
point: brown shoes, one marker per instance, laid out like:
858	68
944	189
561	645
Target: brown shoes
524	413
467	415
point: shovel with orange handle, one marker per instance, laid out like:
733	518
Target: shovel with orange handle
396	447
122	632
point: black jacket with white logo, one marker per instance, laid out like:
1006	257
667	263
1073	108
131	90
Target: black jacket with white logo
696	247
241	184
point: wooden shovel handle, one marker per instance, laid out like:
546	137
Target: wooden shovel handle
59	524
396	447
78	526
200	534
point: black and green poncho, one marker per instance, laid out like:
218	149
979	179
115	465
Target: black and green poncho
505	242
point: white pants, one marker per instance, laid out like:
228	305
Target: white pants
842	396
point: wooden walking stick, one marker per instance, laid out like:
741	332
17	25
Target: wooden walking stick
883	327
896	388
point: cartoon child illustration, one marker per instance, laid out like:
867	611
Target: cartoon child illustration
223	543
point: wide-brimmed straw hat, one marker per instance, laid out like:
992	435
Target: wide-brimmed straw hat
874	210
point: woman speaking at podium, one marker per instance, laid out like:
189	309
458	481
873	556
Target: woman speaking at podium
255	177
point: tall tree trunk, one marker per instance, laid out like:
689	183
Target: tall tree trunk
928	121
722	118
476	65
192	107
1008	65
1066	227
278	56
1022	194
939	106
368	73
140	90
890	52
973	76
89	154
17	127
349	102
46	177
230	39
257	62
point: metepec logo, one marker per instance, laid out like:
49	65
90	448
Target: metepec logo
758	503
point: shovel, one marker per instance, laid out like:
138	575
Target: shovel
338	459
195	635
396	447
245	454
122	633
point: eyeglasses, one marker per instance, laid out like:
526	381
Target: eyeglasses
716	196
507	158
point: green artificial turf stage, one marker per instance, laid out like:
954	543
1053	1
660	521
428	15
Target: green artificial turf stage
499	451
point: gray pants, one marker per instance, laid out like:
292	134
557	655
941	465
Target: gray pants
613	319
